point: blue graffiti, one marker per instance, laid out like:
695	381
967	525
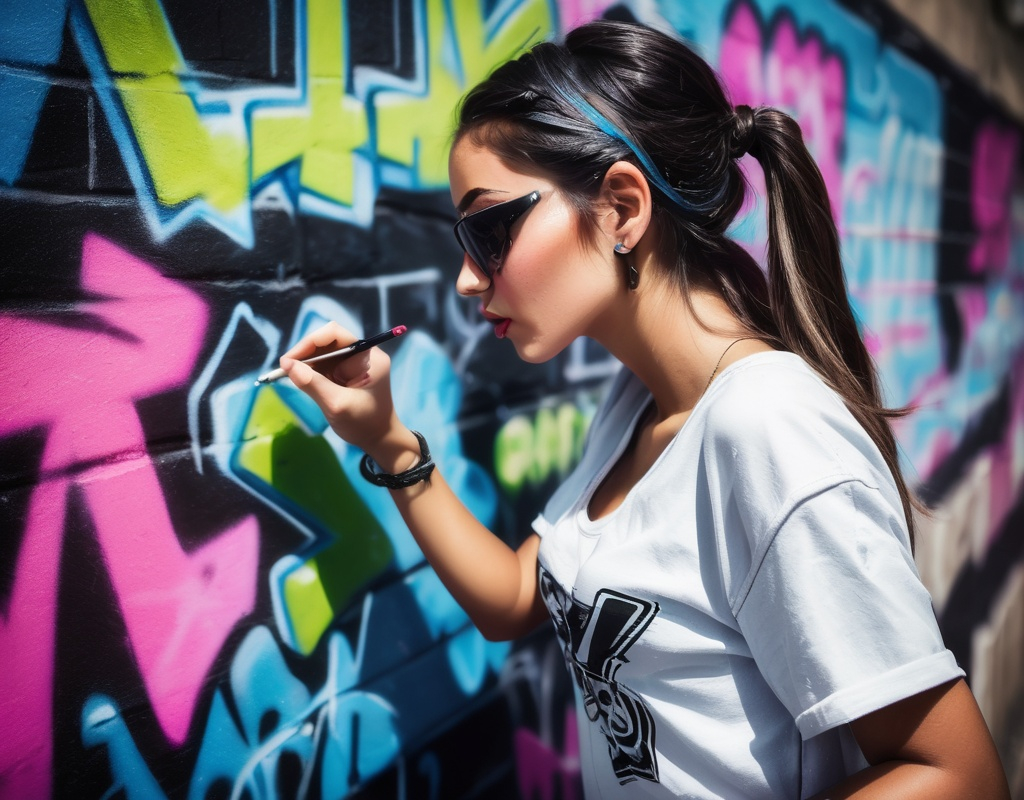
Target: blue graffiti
31	34
265	720
264	725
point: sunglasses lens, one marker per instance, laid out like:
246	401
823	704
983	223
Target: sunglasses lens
485	235
486	242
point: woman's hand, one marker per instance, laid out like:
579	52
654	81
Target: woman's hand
353	393
497	586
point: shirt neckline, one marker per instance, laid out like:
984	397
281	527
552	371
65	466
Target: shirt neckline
593	527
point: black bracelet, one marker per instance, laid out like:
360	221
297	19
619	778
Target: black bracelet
402	480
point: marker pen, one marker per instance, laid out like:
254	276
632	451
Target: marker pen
349	350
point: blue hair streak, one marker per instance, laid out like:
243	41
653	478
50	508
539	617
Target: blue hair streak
609	128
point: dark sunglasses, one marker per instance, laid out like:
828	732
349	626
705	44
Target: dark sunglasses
484	234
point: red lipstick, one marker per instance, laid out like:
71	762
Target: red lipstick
500	323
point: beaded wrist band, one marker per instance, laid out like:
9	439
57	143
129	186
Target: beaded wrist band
401	480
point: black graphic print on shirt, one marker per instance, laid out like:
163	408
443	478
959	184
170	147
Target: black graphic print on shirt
595	641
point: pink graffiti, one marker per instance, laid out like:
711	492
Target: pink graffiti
801	77
1006	465
81	385
973	306
896	335
992	173
873	342
576	12
542	767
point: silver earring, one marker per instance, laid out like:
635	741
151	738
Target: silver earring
632	276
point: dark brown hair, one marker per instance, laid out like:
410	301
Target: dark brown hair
621	91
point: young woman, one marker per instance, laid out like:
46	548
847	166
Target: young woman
729	568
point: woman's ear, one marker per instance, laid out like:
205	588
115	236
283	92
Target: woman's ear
626	197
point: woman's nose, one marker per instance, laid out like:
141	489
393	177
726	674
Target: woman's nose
471	280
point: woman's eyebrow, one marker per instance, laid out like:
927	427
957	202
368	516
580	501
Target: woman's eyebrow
470	196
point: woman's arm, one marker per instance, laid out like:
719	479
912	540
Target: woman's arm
932	745
494	584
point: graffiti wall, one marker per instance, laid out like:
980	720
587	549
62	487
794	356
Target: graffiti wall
199	596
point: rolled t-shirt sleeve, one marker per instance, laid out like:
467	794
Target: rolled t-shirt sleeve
835	614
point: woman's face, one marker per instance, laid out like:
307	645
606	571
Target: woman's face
554	284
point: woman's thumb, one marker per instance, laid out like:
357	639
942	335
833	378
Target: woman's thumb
304	376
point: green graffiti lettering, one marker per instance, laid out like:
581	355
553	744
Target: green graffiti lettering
304	470
513	453
186	160
213	156
327	133
533	450
546	444
414	131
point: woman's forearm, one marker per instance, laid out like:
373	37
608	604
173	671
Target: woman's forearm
495	584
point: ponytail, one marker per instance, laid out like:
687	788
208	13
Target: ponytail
806	283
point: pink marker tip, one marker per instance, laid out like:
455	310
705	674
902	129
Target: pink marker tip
398	330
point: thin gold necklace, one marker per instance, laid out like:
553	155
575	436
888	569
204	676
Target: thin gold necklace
652	406
721	358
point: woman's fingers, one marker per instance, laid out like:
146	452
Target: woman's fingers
325	393
308	379
324	339
353	393
348	371
326	382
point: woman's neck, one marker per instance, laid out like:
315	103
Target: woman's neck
660	338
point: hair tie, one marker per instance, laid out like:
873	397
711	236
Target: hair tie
744	131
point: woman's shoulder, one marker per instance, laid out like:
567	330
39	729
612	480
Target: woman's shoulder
773	412
775	436
770	381
773	388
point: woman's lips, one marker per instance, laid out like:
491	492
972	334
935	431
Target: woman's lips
500	323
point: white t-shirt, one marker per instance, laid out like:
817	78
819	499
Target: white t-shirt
754	592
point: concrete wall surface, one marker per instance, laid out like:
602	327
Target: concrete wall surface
985	39
199	595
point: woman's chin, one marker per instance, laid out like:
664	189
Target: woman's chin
535	352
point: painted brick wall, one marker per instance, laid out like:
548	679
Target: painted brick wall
200	596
